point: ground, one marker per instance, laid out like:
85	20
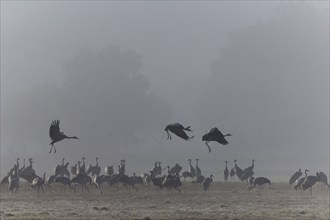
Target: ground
222	201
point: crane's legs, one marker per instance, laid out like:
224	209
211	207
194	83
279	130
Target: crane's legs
168	135
51	148
208	146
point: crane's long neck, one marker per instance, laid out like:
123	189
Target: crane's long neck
63	162
17	163
306	173
97	161
197	163
226	164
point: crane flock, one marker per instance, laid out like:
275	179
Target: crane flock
176	128
81	178
78	176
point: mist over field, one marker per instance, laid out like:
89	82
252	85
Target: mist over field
116	73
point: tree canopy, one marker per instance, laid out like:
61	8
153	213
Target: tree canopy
105	100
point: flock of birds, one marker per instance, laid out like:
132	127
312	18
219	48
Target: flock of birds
176	128
79	175
307	181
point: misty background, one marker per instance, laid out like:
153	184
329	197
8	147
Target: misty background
116	73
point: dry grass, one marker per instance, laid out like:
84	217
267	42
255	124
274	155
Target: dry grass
222	201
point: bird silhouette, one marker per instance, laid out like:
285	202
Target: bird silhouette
179	130
215	135
56	135
226	172
207	182
295	176
310	181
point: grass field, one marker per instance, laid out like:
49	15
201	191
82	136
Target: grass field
222	201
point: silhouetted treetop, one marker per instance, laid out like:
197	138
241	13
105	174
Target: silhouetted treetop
272	79
105	99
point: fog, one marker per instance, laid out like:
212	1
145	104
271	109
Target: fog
116	73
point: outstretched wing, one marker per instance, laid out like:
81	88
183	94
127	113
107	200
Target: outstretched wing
54	130
178	125
216	135
216	132
180	133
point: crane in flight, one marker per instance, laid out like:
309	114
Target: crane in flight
179	130
215	135
56	135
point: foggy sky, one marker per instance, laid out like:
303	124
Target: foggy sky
188	52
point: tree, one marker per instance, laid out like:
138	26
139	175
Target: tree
270	88
104	100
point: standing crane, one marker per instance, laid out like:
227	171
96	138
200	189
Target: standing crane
232	173
207	182
159	169
38	183
226	172
94	170
155	169
248	172
295	176
323	179
83	167
299	181
13	180
192	169
176	169
238	170
310	182
109	170
198	170
260	181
